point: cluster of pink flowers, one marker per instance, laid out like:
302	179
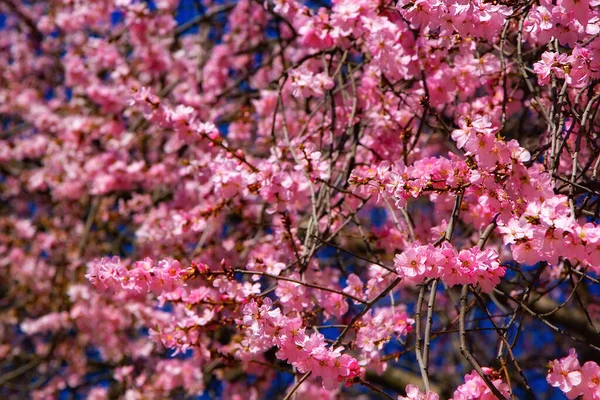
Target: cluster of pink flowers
378	328
403	182
493	157
569	22
181	118
576	69
413	393
145	275
52	322
469	266
573	379
267	327
543	230
472	18
307	84
566	20
547	231
475	387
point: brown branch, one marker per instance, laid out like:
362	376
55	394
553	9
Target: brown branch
463	344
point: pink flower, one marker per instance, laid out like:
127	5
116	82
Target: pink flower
475	387
590	381
410	263
565	373
413	393
526	252
307	84
551	63
515	230
354	286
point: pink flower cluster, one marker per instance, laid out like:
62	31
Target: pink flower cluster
469	18
110	273
565	20
378	328
541	229
547	231
469	266
267	327
52	322
569	22
307	84
405	182
477	135
183	119
413	393
577	68
573	379
475	388
177	373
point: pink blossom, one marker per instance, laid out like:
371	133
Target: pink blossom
565	373
411	263
413	393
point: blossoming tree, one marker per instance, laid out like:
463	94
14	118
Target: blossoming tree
272	199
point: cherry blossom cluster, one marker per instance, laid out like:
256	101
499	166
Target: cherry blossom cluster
475	387
534	238
413	393
403	183
469	266
110	273
547	231
573	379
469	18
491	156
378	328
576	69
268	327
306	84
567	21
